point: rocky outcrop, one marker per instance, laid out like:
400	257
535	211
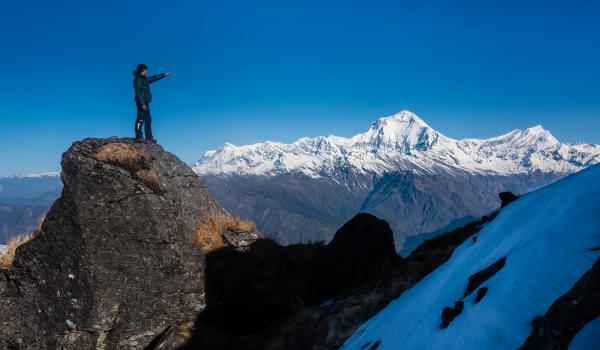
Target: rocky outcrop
115	265
329	324
476	279
506	198
449	313
250	292
568	314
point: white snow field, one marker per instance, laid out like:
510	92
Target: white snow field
546	237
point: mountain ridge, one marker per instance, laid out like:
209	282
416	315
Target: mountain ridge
404	142
400	170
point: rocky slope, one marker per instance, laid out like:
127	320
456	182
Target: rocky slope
329	324
400	170
116	263
251	293
529	279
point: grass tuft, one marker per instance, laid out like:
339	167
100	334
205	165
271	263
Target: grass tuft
135	160
125	156
150	179
209	234
7	257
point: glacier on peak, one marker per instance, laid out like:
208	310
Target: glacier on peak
403	142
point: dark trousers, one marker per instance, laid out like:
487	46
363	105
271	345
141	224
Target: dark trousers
143	118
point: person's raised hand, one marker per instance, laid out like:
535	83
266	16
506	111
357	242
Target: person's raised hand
168	73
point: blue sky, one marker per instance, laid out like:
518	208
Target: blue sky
249	71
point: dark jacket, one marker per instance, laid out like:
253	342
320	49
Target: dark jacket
141	85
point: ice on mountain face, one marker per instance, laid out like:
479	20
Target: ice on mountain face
403	142
2	248
546	238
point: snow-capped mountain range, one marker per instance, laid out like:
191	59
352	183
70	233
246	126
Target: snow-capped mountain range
400	170
404	142
32	175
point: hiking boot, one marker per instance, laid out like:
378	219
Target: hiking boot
139	140
151	140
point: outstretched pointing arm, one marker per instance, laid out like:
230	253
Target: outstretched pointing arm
153	78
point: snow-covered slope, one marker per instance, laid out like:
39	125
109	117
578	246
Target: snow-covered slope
403	142
549	239
2	248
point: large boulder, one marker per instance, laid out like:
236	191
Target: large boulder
250	292
116	265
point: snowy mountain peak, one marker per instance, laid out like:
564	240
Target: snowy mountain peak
402	116
540	134
403	131
403	142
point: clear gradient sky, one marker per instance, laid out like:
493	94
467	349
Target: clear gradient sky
249	71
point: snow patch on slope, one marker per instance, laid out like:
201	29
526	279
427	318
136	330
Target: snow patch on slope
403	142
546	237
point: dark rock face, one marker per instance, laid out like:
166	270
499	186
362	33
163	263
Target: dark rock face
481	292
506	198
478	278
329	324
568	314
240	239
116	264
475	280
250	292
449	314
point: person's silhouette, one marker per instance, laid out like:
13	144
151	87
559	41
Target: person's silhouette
143	97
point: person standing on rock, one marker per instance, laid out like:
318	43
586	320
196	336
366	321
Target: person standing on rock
143	97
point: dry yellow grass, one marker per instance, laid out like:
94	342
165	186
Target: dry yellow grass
6	258
125	156
186	330
150	179
38	228
209	234
135	160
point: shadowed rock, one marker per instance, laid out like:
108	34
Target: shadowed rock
449	314
249	292
568	314
481	292
115	265
506	198
476	279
